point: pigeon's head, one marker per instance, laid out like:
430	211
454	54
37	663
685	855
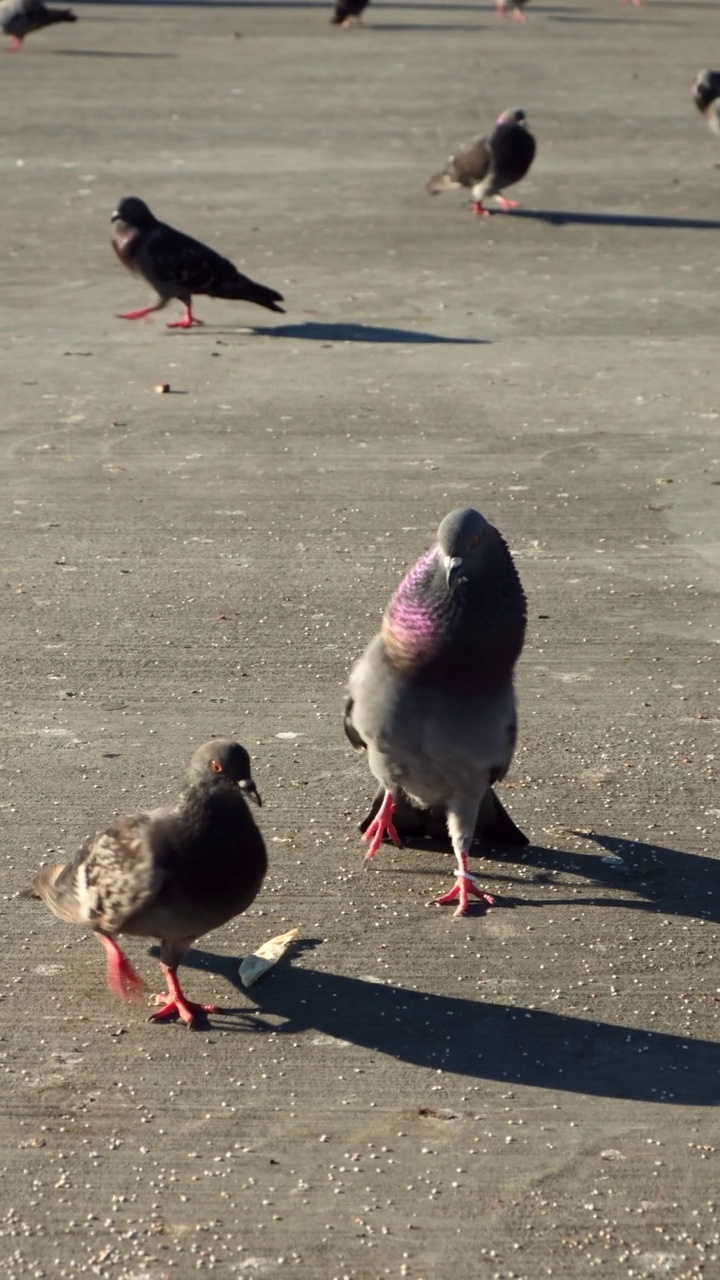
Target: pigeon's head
515	116
706	88
223	758
134	211
463	538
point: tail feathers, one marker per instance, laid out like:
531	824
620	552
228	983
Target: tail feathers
245	290
61	15
441	182
45	886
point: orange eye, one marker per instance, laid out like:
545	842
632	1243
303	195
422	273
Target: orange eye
216	766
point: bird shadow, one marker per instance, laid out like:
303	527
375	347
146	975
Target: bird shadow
106	53
560	218
661	880
482	1040
317	331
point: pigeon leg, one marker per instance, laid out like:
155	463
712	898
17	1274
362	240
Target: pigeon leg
500	12
479	209
381	823
122	979
519	16
463	889
137	315
16	45
187	321
175	1005
505	203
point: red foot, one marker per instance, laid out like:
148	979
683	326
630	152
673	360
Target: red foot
507	204
122	979
16	45
187	321
463	889
479	209
136	315
175	1005
381	823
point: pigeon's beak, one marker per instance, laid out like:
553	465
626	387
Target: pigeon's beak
248	788
453	565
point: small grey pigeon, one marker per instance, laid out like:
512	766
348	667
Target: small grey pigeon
517	8
172	874
490	163
706	94
177	266
432	698
348	13
19	18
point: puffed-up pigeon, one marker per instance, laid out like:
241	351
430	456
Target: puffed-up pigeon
490	163
706	95
172	874
432	698
19	18
177	266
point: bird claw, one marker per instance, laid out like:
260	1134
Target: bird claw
381	824
479	209
507	204
187	322
178	1007
461	892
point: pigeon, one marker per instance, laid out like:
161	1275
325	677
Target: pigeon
172	874
348	13
706	93
490	163
19	18
177	266
432	698
518	6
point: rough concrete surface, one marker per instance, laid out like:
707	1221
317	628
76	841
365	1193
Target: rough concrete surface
529	1091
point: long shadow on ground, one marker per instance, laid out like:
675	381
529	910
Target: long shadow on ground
561	218
318	331
481	1040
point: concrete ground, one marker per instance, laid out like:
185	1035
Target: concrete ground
526	1092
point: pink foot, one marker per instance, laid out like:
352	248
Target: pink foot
381	823
507	204
519	16
479	209
187	321
175	1005
15	46
122	979
463	889
136	315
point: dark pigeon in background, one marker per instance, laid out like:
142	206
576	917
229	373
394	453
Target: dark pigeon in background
517	8
19	18
172	874
490	163
348	13
177	266
432	698
706	95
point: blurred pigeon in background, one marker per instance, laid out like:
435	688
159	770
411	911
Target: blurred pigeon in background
490	163
177	266
348	13
432	698
19	18
706	95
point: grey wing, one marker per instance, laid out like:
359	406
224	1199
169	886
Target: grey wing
472	162
113	875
